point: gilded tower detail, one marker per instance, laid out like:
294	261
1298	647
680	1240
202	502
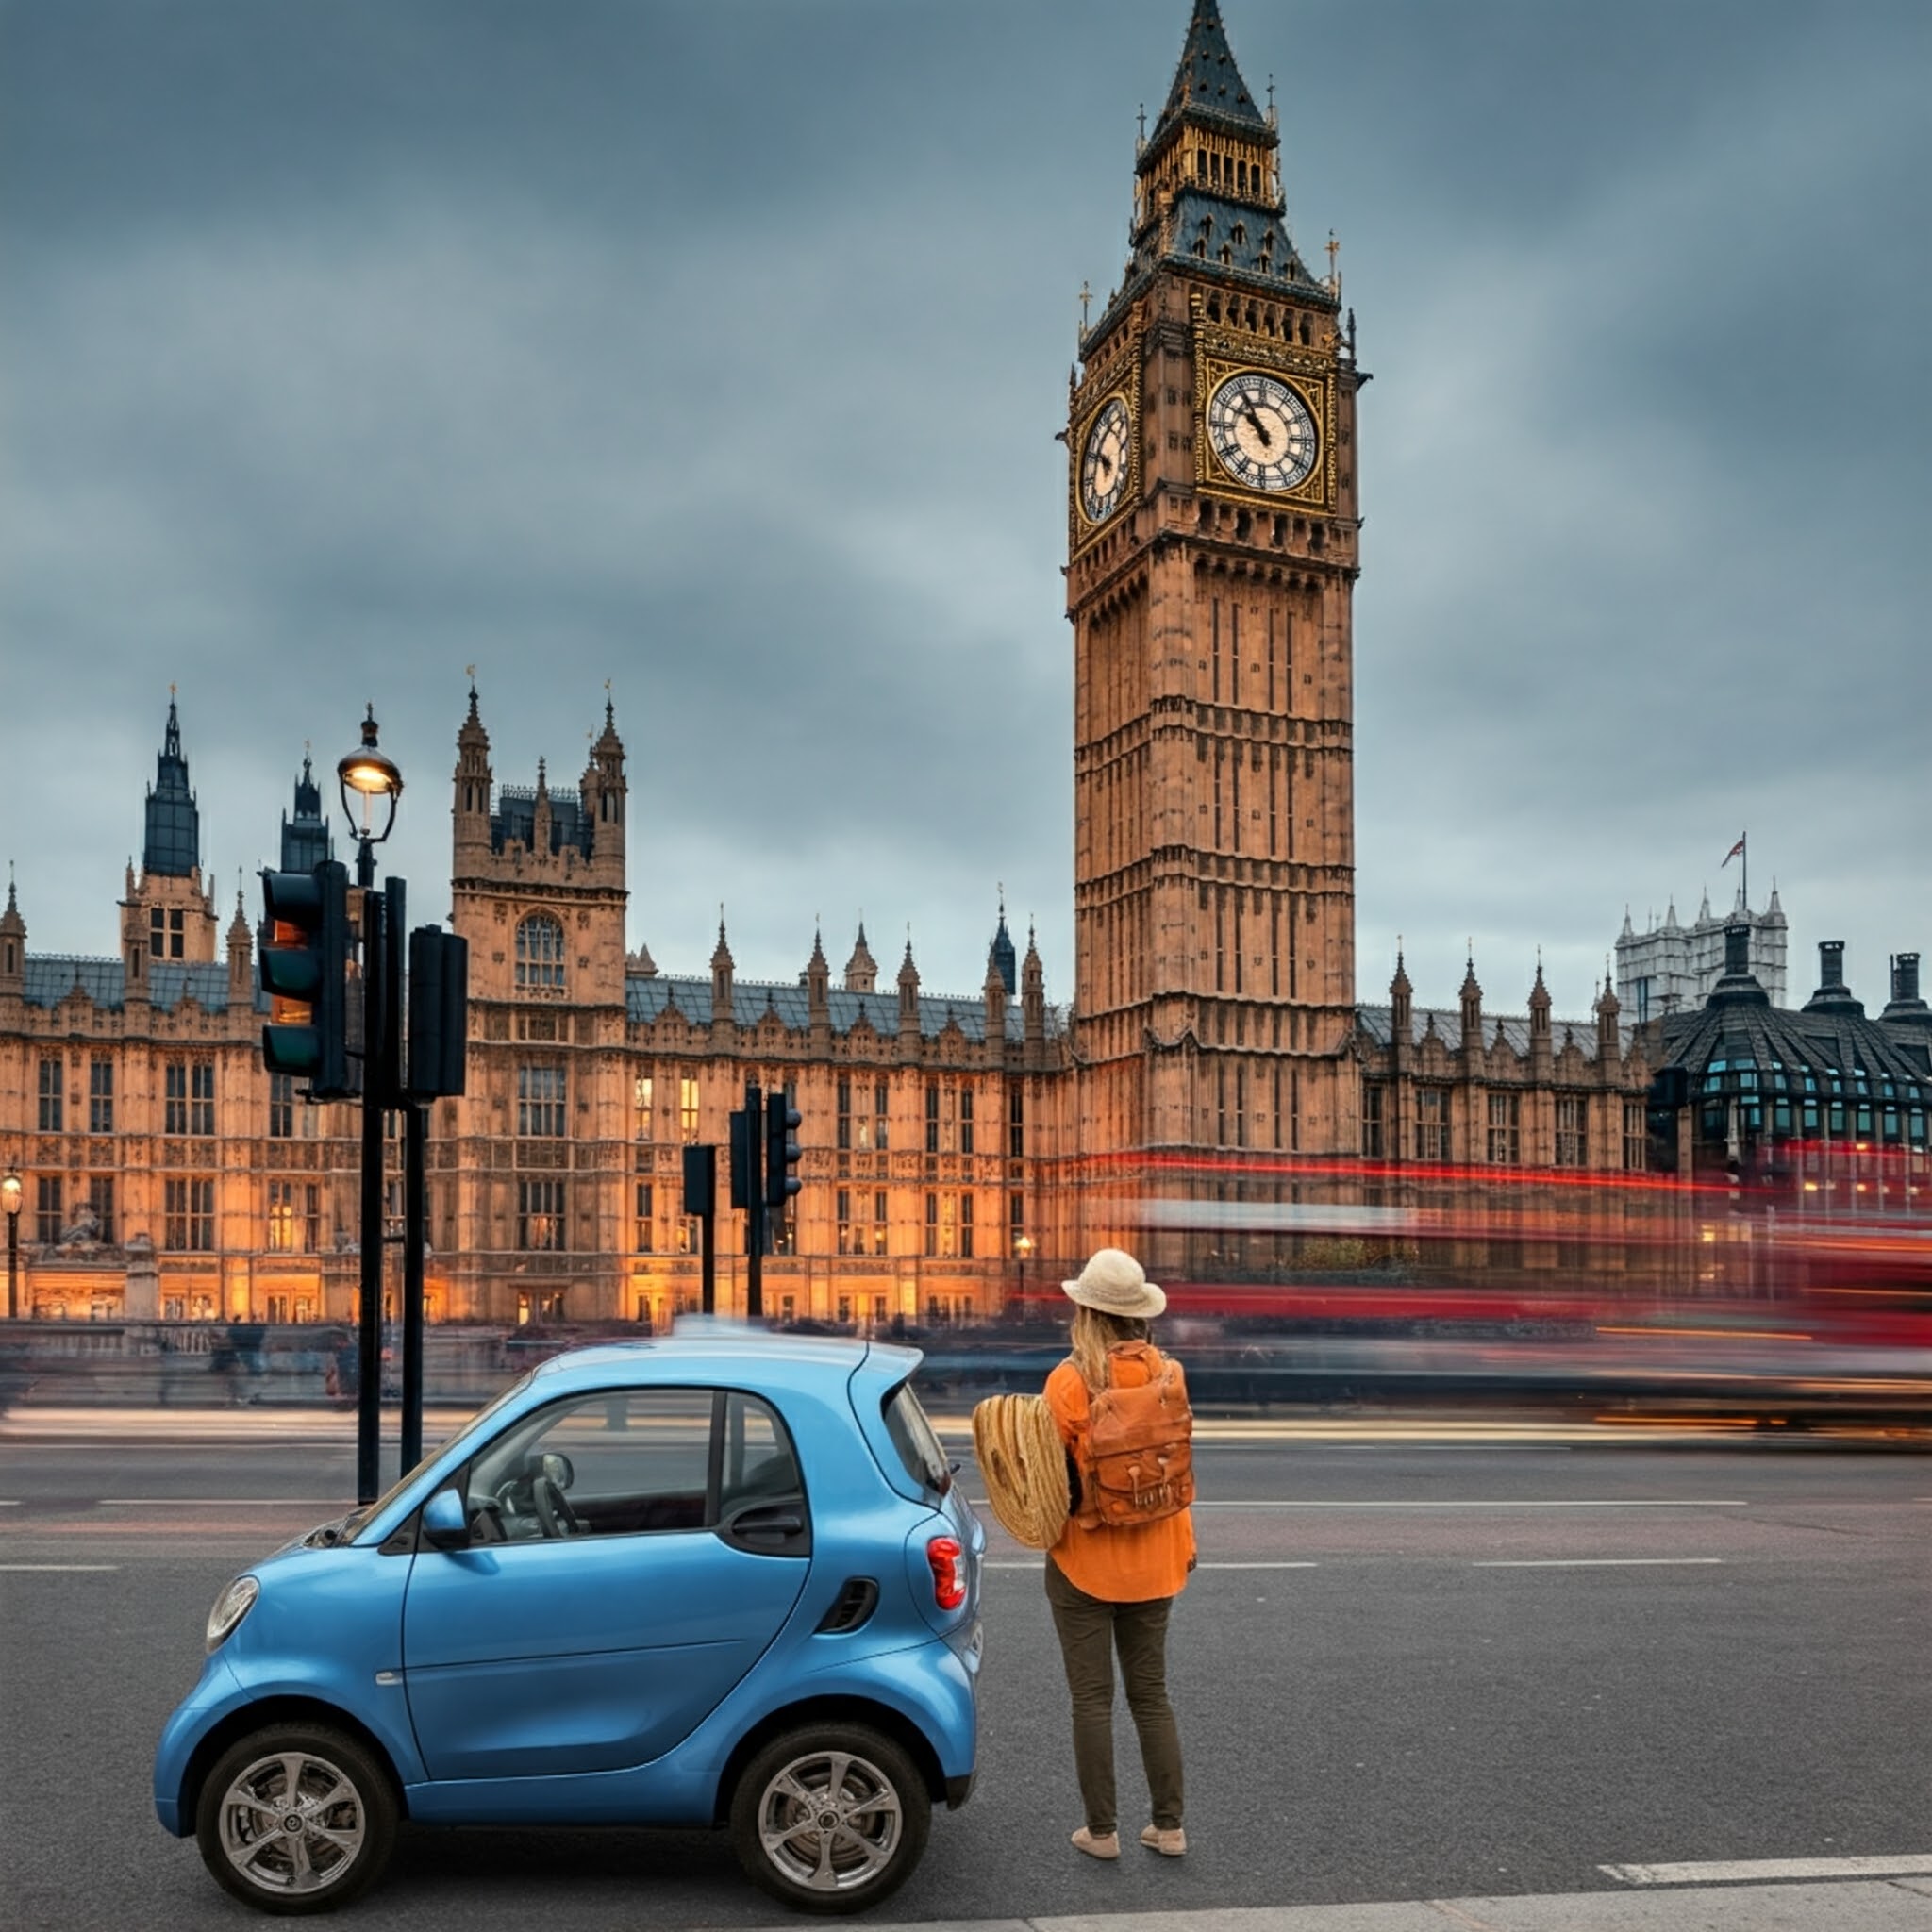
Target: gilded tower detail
1212	552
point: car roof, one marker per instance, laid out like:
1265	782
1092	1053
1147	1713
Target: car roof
725	1352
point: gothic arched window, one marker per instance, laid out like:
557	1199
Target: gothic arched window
539	955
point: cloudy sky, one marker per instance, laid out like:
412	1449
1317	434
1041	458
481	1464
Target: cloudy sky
718	351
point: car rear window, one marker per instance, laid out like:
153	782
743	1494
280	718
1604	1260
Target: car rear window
913	1437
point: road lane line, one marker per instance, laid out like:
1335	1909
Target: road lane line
221	1503
1589	1562
1035	1567
59	1566
1716	1872
1548	1502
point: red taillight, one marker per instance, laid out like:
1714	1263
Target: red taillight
948	1572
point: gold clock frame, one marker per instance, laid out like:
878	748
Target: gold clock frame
1222	350
1110	375
1119	395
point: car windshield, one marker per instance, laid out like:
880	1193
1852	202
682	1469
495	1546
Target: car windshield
352	1525
913	1437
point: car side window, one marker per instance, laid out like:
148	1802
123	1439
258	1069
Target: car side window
759	1465
619	1463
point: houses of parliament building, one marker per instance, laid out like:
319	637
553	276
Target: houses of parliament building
1212	1061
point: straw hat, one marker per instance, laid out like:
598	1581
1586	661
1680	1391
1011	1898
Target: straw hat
1114	1283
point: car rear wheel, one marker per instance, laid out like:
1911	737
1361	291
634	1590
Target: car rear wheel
830	1818
296	1818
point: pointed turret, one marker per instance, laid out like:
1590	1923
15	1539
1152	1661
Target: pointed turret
818	988
1540	1047
1207	86
1471	1003
1609	1036
1401	1006
604	792
999	983
473	783
1003	956
1033	995
306	842
861	970
241	954
12	946
172	847
909	1000
722	967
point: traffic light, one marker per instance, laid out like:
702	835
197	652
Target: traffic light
701	1181
747	1185
439	1012
781	1149
304	967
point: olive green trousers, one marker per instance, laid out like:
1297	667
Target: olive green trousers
1090	1631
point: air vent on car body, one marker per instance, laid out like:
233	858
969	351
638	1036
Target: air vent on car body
857	1598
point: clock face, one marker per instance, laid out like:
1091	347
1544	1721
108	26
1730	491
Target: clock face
1262	432
1104	461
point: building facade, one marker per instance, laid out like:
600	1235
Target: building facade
1671	968
1214	1075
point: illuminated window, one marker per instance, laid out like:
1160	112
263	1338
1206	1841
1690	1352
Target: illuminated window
878	1222
540	954
281	1216
842	1215
644	1102
539	1215
688	1111
644	1234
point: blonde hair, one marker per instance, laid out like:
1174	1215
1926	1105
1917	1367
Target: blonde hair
1092	1334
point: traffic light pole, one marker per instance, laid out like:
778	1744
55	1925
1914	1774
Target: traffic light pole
369	1310
415	1230
755	1205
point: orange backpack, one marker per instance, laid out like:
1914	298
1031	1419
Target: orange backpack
1137	1459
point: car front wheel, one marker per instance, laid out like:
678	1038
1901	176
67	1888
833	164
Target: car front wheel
296	1818
830	1818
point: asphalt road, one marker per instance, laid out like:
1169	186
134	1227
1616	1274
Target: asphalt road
1405	1668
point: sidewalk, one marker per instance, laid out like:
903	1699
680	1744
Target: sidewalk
1895	1905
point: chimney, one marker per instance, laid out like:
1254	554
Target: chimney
1831	963
1905	978
1737	950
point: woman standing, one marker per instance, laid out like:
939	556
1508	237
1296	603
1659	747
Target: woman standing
1111	1584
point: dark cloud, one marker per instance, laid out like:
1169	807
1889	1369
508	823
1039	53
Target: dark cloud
718	352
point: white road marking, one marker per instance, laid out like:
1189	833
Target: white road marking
1716	1872
9	1503
1589	1562
1550	1503
60	1566
1035	1567
221	1503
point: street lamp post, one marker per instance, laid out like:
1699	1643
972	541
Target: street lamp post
12	1195
1022	1246
369	774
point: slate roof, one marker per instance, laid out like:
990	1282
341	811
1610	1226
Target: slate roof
1207	86
1378	1023
1831	1042
50	977
646	998
515	820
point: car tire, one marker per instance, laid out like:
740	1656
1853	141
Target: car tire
325	1847
830	1818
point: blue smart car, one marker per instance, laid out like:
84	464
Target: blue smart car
722	1579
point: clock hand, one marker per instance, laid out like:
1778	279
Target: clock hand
1261	428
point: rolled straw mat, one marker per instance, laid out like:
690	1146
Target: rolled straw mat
1025	1466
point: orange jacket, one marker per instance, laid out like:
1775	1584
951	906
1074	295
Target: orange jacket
1117	1565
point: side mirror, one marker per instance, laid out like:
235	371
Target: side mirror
444	1526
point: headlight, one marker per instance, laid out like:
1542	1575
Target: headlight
232	1605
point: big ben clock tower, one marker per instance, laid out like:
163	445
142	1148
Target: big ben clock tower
1212	544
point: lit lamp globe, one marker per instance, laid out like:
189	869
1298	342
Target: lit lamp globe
11	1193
368	772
